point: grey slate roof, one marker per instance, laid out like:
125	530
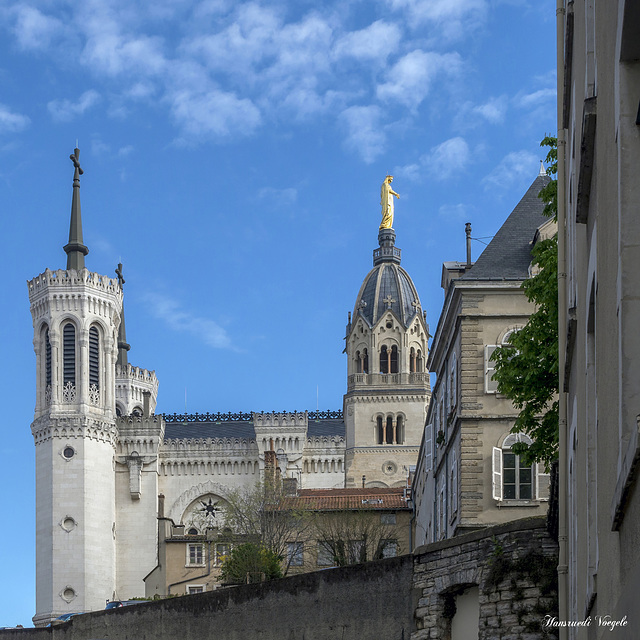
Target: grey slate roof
384	280
244	429
508	255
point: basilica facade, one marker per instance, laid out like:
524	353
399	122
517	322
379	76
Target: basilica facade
108	467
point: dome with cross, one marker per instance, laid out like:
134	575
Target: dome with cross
387	286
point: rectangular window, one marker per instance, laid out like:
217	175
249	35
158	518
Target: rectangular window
428	447
195	588
325	555
195	555
387	518
490	386
295	554
517	480
389	548
357	551
223	549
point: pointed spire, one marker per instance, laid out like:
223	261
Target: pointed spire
123	347
75	249
543	171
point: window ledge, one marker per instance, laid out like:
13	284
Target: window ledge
626	477
195	566
518	503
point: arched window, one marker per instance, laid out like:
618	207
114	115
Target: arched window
47	358
419	364
384	359
389	431
94	357
412	360
399	430
380	430
453	382
394	359
69	363
358	362
365	362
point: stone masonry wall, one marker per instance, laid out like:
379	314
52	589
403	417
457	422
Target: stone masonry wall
514	567
363	602
511	570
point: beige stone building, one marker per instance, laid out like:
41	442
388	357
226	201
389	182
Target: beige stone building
467	476
336	526
599	258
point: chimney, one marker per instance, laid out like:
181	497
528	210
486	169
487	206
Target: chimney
467	230
146	406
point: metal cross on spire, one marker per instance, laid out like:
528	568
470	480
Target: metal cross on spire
75	249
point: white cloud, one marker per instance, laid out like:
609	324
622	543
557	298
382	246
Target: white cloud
11	122
365	133
452	15
443	161
125	151
514	168
278	197
214	113
493	110
204	329
410	79
65	110
375	42
33	29
534	99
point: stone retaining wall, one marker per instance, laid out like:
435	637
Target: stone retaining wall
507	574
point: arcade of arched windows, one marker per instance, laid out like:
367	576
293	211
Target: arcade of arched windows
288	444
416	364
323	465
390	429
388	359
362	361
201	467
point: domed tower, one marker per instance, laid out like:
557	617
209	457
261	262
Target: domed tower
388	386
76	315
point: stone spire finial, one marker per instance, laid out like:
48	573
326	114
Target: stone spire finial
123	347
75	249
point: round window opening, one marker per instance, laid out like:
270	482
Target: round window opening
68	594
389	467
389	324
69	452
68	524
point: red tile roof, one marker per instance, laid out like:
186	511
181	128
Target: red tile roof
339	499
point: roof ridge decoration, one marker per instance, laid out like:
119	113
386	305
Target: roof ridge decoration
75	249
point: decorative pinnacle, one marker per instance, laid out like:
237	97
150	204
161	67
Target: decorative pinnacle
75	249
123	347
543	171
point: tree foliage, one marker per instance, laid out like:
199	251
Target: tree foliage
262	514
527	368
353	536
251	562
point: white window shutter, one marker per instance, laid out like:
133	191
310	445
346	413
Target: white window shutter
454	481
543	481
490	386
428	447
497	473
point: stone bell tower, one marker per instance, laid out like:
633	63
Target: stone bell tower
388	386
76	315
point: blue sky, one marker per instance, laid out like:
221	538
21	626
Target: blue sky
233	156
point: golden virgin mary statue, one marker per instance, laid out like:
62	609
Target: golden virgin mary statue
386	200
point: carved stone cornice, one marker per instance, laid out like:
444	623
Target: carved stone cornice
48	427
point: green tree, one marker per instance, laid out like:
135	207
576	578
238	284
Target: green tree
251	562
527	368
